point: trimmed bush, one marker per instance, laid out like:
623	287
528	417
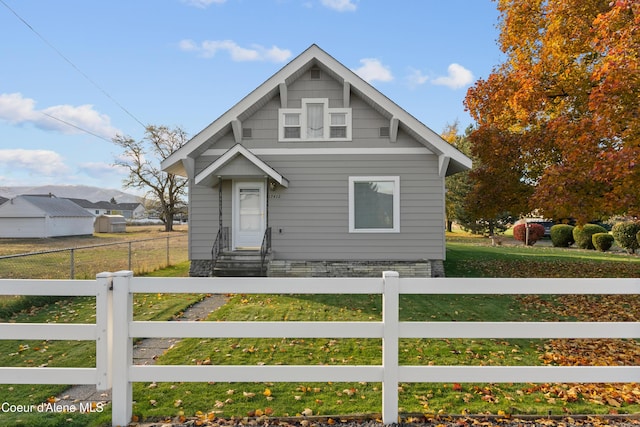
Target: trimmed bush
582	235
536	232
626	235
602	241
562	235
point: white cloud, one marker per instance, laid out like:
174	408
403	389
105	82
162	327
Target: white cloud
340	5
42	162
16	109
372	69
416	78
458	77
209	48
202	4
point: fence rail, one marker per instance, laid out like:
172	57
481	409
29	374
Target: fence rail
84	262
101	332
115	361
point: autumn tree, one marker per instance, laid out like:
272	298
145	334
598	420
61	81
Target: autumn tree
461	205
142	161
558	123
458	185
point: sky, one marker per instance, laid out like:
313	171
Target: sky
75	73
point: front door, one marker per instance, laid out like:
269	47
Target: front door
249	219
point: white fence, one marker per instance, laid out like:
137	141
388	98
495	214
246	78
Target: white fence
115	359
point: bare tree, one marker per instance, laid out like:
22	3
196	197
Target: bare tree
142	160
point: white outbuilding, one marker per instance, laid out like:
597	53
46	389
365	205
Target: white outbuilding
39	216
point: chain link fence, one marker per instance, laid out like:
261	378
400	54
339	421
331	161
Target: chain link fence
84	262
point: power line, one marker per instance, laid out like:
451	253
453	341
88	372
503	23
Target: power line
74	126
104	92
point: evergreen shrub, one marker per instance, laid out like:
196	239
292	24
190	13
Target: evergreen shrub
562	235
602	241
583	234
626	235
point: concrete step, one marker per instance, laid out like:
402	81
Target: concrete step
239	264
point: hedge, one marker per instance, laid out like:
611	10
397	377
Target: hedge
602	241
562	235
536	232
583	235
626	235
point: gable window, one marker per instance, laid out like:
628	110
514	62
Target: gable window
374	204
291	126
314	121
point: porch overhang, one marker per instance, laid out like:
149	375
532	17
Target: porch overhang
223	167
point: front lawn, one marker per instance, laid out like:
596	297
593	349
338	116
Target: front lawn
465	258
473	258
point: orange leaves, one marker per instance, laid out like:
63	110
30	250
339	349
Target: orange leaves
569	85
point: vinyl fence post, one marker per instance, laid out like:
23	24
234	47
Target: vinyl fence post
122	394
104	324
168	264
390	321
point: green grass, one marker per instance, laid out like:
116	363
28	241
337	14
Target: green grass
465	258
30	353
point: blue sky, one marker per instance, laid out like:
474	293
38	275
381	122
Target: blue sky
74	73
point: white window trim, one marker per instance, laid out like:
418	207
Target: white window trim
396	204
303	121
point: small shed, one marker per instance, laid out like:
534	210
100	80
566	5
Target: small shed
110	224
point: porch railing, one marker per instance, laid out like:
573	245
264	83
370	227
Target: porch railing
221	243
265	248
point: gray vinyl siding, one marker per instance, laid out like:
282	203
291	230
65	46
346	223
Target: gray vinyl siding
203	218
310	218
366	124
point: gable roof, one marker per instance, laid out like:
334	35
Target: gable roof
451	160
83	203
55	207
234	152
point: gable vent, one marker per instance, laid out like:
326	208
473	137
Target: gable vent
315	73
246	132
384	132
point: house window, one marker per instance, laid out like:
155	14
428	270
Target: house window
338	127
374	204
314	121
291	126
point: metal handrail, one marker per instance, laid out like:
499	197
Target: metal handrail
265	248
221	242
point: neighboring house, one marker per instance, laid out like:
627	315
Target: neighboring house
91	207
323	169
131	210
43	216
107	208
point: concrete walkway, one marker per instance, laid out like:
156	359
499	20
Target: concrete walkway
145	352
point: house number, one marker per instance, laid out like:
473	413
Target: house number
274	196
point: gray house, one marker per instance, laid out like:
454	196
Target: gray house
316	173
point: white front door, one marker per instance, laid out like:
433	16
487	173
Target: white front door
249	214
